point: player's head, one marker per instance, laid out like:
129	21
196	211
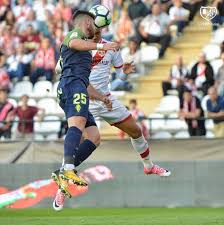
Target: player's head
179	60
3	94
133	44
212	92
97	35
156	9
133	104
187	95
85	21
202	58
24	99
178	3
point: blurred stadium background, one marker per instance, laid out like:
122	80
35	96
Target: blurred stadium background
187	57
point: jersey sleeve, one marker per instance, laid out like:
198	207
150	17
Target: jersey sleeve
117	60
74	34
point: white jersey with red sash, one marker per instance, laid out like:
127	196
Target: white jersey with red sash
101	68
99	79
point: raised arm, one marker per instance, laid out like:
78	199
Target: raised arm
82	45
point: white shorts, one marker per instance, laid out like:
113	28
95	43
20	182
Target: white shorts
118	114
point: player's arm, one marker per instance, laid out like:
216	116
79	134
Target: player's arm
93	93
122	70
82	45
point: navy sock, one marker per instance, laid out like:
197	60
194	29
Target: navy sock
84	151
71	144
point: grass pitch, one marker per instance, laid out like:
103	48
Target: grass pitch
111	216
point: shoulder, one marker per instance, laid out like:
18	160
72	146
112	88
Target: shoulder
73	34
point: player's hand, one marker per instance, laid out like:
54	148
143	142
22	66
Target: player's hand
108	103
111	46
129	68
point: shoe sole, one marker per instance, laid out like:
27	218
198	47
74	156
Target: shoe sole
63	190
167	174
79	183
57	208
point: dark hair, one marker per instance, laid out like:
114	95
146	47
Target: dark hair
134	101
78	12
133	38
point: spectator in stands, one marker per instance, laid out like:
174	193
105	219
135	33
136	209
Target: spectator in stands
26	115
59	22
154	28
179	16
10	19
8	39
6	109
4	8
2	60
191	111
64	11
192	6
218	19
31	39
219	81
177	77
18	63
30	21
133	54
124	28
136	10
21	10
44	63
215	108
4	78
138	115
165	5
202	74
41	7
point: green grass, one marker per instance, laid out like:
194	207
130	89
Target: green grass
111	216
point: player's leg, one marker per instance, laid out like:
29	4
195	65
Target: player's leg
76	125
86	148
73	99
121	118
141	146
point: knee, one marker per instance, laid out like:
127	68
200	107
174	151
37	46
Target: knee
136	133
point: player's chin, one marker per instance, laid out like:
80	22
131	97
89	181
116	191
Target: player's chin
91	34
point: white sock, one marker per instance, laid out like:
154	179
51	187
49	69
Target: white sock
141	146
69	167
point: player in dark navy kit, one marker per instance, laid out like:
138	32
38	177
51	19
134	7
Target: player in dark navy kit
76	59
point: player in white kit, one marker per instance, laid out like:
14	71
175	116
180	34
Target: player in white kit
118	116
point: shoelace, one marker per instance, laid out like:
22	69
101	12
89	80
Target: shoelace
60	198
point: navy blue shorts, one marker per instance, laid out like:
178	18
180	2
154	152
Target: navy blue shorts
74	100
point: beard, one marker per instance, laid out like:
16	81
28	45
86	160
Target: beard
91	33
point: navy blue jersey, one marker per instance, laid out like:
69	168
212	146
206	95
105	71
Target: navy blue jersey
75	64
